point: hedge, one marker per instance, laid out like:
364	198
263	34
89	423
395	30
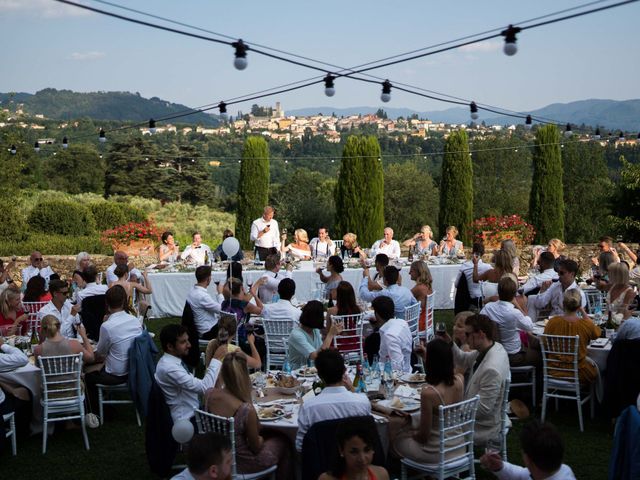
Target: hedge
55	245
110	214
62	217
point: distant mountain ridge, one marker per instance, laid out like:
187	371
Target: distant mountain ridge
611	114
117	106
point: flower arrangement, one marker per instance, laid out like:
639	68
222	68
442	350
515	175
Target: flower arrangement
132	231
492	230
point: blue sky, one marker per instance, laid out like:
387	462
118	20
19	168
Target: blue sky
46	44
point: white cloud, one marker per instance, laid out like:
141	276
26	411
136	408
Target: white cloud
82	56
42	8
482	47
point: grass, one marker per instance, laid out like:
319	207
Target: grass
117	448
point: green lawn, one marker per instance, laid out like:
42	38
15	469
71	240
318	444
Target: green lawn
117	448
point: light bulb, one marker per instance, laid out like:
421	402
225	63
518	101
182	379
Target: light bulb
329	89
65	142
510	47
102	137
36	147
597	134
621	136
13	150
152	126
240	62
567	131
528	122
385	96
474	110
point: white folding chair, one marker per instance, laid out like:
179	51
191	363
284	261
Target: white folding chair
529	380
595	300
208	422
32	309
349	343
429	306
457	423
412	316
560	373
338	244
506	422
106	397
62	397
276	332
10	431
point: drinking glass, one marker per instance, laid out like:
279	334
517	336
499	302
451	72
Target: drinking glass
441	328
494	445
388	388
299	391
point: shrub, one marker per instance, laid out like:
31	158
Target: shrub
62	217
110	214
492	230
55	245
13	222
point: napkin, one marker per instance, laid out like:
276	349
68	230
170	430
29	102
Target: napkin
406	391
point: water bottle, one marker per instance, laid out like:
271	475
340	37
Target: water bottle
286	366
597	314
275	298
256	261
388	369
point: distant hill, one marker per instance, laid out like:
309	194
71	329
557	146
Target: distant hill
118	106
611	114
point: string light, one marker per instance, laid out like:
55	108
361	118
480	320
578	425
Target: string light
621	136
528	122
152	126
13	150
222	108
102	136
240	62
597	134
567	131
385	96
36	147
474	110
329	89
510	47
65	142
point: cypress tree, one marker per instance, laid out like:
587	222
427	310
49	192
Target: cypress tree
360	190
546	203
253	187
456	187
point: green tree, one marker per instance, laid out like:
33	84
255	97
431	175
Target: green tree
626	201
546	203
456	186
77	169
360	190
131	168
410	199
253	186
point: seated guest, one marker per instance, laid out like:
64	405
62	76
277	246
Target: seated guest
13	319
510	319
443	388
421	275
555	247
206	310
322	247
83	260
180	388
509	246
55	344
168	251
37	267
305	340
121	258
387	245
350	247
91	288
5	274
77	285
356	444
197	253
283	308
273	277
488	363
552	293
117	333
36	291
335	401
240	302
345	303
60	307
224	344
11	358
634	273
133	288
502	266
620	295
605	245
380	263
299	249
335	267
449	246
220	256
254	452
401	296
466	269
459	336
545	266
209	456
570	324
422	242
542	452
396	341
601	271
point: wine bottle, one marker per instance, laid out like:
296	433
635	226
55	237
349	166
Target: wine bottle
34	336
358	381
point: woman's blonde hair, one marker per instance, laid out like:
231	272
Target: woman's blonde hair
235	376
618	274
10	293
428	229
453	229
301	235
424	274
50	326
350	238
571	300
503	261
558	244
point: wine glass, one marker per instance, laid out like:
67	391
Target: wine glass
441	328
299	391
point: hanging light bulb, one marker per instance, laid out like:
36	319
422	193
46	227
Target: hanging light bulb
621	136
385	96
474	110
639	137
597	134
36	147
103	136
100	155
528	122
222	108
240	61
510	47
13	150
567	131
65	142
329	89
152	126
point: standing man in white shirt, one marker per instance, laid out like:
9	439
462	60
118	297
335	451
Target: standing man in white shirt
401	296
336	399
322	247
272	277
265	234
387	245
37	267
396	341
117	333
197	253
60	307
121	258
206	310
180	388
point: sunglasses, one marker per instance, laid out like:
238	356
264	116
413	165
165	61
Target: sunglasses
37	259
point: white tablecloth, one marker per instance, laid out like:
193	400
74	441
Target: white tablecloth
170	290
28	377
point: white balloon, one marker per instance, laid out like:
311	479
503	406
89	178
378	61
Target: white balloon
182	431
230	246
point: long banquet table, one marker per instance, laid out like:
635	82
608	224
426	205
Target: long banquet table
170	290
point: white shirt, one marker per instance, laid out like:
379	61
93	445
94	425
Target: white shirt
331	404
111	277
401	296
515	472
509	320
90	290
196	255
29	272
553	296
320	249
281	309
10	359
67	321
116	337
269	289
466	269
271	239
183	475
206	310
391	250
536	281
396	343
180	388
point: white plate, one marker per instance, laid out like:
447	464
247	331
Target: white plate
407	377
305	374
542	323
277	416
410	405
